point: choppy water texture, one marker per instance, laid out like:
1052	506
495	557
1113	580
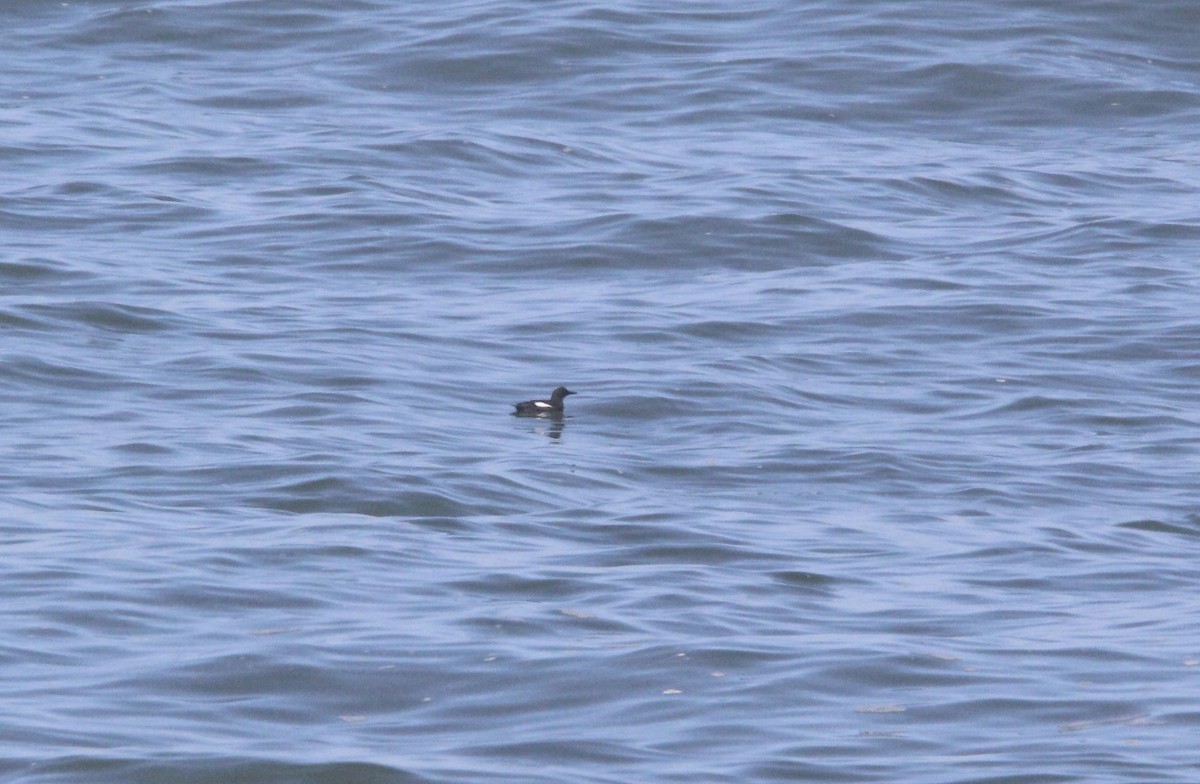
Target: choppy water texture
883	319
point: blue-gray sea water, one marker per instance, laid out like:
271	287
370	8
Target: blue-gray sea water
884	320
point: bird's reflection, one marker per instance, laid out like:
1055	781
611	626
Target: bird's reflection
550	425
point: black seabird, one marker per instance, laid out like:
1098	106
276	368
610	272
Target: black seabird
539	407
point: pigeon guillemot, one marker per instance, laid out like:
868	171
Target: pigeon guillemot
539	407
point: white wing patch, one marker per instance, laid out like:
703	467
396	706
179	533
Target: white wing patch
542	404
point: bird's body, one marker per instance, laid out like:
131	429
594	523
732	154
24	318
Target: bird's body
543	407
